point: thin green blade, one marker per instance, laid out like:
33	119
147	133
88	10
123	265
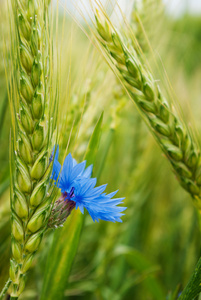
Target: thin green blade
148	271
66	240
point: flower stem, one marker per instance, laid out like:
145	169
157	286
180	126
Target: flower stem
4	290
193	287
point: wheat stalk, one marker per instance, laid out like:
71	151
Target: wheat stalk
32	116
4	30
146	21
171	134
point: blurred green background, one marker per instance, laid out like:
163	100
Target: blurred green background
156	247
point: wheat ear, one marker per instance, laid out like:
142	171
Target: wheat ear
173	136
32	115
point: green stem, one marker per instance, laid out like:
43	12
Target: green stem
3	112
3	292
193	287
105	152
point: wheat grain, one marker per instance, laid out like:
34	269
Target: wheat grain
31	140
171	134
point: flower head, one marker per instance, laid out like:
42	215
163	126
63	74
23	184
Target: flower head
77	186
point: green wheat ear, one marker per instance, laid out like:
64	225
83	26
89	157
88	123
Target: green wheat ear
171	134
33	115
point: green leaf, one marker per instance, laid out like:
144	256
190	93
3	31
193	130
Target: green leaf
193	288
174	295
140	263
66	240
92	148
4	185
105	151
3	112
60	257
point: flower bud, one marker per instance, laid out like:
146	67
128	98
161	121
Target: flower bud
192	159
182	170
26	88
32	8
147	106
33	242
16	250
27	262
39	166
39	193
38	137
38	103
24	27
164	113
24	147
21	285
17	228
149	91
173	151
13	271
119	58
160	127
104	32
60	212
132	68
26	58
198	175
117	41
20	205
193	188
23	177
36	72
26	118
132	81
38	219
180	132
186	144
35	40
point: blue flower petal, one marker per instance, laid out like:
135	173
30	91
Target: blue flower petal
101	206
96	191
56	170
77	170
87	173
65	176
57	152
81	207
54	156
74	162
87	185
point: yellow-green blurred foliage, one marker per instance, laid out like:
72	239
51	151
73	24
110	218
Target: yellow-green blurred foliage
158	243
4	154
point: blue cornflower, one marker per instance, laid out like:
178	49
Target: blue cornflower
77	187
